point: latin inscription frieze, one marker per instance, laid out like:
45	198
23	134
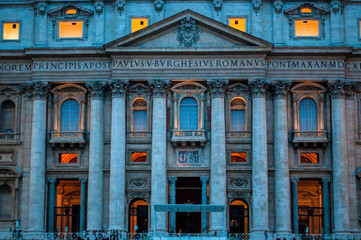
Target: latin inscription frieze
194	63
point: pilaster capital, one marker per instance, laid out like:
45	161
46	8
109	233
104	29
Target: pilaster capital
295	179
172	180
51	180
280	88
278	6
336	6
159	87
98	7
257	5
158	5
83	180
326	179
217	4
204	179
217	87
340	88
96	89
40	8
37	90
118	88
258	87
119	5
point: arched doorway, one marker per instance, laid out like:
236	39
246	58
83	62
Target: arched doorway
238	217
138	216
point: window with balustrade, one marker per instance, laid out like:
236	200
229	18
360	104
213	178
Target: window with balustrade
308	114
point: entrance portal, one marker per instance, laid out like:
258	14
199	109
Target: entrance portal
188	191
138	216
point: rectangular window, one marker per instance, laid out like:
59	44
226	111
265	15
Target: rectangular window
139	23
238	157
72	29
309	158
68	158
139	121
238	23
11	31
306	28
238	120
139	157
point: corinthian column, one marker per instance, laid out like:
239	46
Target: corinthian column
96	152
282	181
339	157
218	151
117	157
259	157
37	159
159	150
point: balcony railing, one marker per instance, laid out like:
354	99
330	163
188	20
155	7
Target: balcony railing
138	135
9	138
310	137
192	137
238	136
67	138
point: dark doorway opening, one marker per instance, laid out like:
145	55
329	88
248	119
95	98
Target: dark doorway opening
138	216
238	216
188	191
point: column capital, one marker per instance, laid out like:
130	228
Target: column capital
295	179
341	87
258	87
172	180
96	89
326	179
83	180
204	179
159	87
280	88
51	180
278	6
118	88
36	90
217	87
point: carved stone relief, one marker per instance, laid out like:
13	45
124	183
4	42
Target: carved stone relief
188	158
137	182
239	182
188	32
6	157
138	195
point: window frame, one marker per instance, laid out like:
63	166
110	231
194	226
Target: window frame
132	114
61	108
237	150
148	17
133	150
245	17
2	31
198	111
306	19
317	112
59	164
230	113
70	20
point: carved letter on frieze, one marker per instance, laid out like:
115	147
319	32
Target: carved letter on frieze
188	32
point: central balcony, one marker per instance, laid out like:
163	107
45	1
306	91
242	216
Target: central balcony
310	138
190	137
67	138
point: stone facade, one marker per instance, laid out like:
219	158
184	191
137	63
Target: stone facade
187	51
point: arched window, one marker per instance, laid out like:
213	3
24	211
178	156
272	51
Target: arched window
238	118
7	117
308	115
138	216
139	115
70	116
238	217
188	114
5	201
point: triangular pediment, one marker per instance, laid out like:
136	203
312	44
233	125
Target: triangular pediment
191	31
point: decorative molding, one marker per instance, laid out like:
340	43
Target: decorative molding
239	182
9	172
340	88
278	6
172	180
295	179
336	7
188	157
245	195
280	88
188	32
138	182
218	5
217	87
135	195
326	179
256	5
99	7
119	5
118	88
83	180
258	87
40	8
204	179
96	89
39	90
8	92
51	180
159	87
158	5
7	157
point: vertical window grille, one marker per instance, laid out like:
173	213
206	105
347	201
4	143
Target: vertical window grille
7	117
308	115
70	116
188	114
140	121
238	115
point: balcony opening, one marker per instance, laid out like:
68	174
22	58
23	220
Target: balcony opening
238	217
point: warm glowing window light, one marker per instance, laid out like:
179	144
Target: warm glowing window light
139	23
306	10
238	23
11	31
71	29
309	157
306	28
139	157
71	11
68	158
238	157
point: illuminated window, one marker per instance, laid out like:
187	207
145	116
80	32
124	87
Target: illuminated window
238	157
72	29
68	158
238	122
139	108
306	10
139	23
11	31
238	23
139	157
71	11
309	157
188	114
306	28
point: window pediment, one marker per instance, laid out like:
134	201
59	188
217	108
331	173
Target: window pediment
70	11
306	10
6	172
189	87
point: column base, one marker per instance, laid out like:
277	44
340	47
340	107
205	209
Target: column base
260	235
